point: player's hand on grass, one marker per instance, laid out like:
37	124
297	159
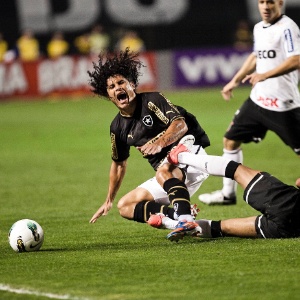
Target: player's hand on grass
102	211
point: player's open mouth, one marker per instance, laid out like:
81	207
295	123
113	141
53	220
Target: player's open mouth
122	96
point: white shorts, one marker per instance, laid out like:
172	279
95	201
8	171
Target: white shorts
193	181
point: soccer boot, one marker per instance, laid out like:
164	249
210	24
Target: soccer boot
184	145
183	228
217	198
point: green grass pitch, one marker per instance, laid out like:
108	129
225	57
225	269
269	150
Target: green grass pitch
54	164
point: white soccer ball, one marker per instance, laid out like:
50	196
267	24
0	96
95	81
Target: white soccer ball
25	236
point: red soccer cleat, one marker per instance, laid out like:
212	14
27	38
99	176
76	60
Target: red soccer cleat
156	220
184	145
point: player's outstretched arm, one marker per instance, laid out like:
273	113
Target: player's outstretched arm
247	68
116	175
102	211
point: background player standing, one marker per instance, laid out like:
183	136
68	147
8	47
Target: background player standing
274	102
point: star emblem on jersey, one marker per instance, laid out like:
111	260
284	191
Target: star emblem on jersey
147	120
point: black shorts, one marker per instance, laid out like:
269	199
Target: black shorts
278	202
251	123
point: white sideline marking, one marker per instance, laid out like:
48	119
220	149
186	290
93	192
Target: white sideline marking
7	288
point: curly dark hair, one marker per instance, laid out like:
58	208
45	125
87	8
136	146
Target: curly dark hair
125	63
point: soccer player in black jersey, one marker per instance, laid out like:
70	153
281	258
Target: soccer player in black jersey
153	125
278	203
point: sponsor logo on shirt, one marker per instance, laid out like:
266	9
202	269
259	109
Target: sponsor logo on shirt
268	102
266	54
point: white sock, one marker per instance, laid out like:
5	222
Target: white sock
187	218
204	228
169	223
213	165
230	186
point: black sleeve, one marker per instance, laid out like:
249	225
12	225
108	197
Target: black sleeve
120	151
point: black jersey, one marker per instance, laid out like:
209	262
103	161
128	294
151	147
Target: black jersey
153	115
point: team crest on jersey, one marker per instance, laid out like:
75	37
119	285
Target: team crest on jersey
147	120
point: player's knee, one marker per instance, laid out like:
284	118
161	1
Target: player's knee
121	203
167	171
124	207
162	173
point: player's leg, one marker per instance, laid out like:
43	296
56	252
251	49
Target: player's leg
218	166
215	165
193	178
128	202
263	192
243	175
287	127
183	183
227	195
172	180
150	198
147	199
240	227
232	151
179	184
246	127
140	203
